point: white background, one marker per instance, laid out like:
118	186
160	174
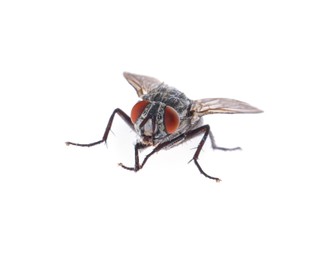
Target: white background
61	78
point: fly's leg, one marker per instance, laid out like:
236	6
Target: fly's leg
118	111
206	130
183	137
139	146
137	166
214	146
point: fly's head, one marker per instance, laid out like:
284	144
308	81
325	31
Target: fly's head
154	121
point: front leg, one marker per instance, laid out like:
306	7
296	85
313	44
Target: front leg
138	146
118	111
205	129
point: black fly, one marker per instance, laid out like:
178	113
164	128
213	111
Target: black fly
165	117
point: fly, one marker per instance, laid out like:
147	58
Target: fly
165	117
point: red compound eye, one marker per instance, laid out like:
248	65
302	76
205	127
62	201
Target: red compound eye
138	109
171	120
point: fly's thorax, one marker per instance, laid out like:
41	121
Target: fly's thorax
171	97
154	121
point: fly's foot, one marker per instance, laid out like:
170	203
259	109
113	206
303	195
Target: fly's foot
128	168
202	172
227	149
125	167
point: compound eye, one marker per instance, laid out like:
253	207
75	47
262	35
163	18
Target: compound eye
171	120
138	109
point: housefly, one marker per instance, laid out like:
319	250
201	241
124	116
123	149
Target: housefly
165	117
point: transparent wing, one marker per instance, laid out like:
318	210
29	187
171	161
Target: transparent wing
142	84
206	106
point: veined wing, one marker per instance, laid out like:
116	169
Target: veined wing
142	84
207	106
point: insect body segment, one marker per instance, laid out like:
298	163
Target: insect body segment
165	117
